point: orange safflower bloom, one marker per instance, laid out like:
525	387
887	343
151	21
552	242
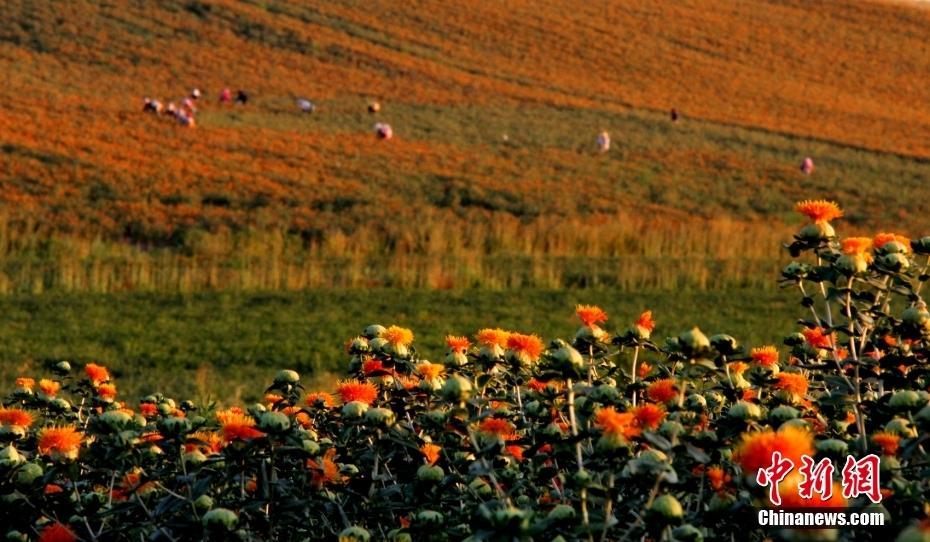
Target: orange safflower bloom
662	391
321	397
737	367
430	452
49	387
25	382
152	436
398	336
56	532
52	489
107	391
857	246
457	344
590	315
148	410
497	427
643	370
791	498
766	356
539	385
273	398
353	390
493	337
15	417
96	373
326	471
529	345
430	371
237	426
60	442
649	415
819	211
408	382
888	442
755	449
646	322
514	451
882	239
717	478
207	442
374	367
614	423
749	394
817	339
130	485
794	383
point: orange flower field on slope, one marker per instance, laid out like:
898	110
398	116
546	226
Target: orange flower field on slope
80	157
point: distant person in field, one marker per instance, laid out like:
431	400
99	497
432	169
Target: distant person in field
226	96
374	107
674	115
242	97
186	119
187	106
195	94
171	109
603	141
153	106
807	166
306	105
383	131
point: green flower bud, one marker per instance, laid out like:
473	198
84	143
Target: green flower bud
194	458
15	536
59	405
220	519
687	533
287	377
456	389
832	447
694	342
796	270
894	262
274	422
907	400
795	339
27	474
901	427
62	367
174	426
783	413
203	503
354	410
851	264
10	458
311	447
380	417
921	246
456	359
725	344
814	233
377	345
666	508
480	487
568	361
429	519
373	331
430	474
561	512
115	420
354	534
745	410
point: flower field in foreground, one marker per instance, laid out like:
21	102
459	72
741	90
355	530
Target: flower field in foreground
611	434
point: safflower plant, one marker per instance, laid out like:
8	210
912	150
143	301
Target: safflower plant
607	435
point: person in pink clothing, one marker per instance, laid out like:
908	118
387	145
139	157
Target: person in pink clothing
384	130
807	166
